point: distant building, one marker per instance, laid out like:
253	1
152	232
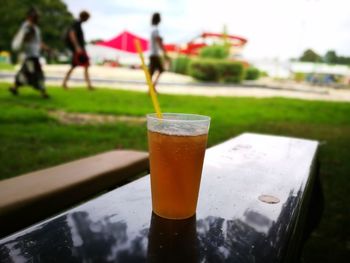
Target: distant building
321	73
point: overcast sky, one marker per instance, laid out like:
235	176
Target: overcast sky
274	28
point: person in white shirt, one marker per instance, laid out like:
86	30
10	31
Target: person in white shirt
31	72
157	46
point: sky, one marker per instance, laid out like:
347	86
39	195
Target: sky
275	29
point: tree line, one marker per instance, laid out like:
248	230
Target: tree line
331	57
54	20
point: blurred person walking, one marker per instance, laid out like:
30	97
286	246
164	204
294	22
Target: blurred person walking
76	43
156	63
28	39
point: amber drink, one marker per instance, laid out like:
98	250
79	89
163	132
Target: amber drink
177	144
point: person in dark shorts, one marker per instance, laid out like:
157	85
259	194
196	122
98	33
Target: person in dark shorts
75	41
155	60
31	72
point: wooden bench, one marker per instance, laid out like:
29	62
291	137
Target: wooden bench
31	197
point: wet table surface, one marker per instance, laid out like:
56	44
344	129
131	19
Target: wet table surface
250	199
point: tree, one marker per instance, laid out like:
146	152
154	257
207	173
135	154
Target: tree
331	57
54	19
310	56
344	60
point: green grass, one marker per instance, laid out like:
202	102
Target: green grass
6	66
30	139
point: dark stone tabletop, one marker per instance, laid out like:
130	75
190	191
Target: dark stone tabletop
234	221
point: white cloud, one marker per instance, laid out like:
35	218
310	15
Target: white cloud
274	28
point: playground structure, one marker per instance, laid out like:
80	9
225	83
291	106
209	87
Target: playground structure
193	47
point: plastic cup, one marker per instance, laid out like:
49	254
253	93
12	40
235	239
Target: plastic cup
177	144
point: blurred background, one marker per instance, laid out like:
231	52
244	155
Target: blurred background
303	40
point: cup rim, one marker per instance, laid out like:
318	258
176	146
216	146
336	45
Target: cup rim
196	117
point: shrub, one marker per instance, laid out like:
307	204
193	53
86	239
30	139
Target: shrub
215	51
252	73
230	72
216	70
263	73
299	76
203	69
180	65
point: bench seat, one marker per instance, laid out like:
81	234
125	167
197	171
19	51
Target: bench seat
31	197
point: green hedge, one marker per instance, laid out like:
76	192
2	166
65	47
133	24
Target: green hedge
252	73
180	65
217	70
215	51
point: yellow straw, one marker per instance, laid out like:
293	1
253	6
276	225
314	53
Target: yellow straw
148	79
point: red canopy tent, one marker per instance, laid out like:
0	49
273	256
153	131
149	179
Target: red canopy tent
125	42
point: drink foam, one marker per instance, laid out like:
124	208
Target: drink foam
179	129
179	124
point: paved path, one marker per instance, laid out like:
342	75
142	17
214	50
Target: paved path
170	83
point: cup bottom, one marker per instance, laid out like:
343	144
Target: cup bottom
174	217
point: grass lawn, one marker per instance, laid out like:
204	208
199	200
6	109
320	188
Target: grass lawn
31	139
6	66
